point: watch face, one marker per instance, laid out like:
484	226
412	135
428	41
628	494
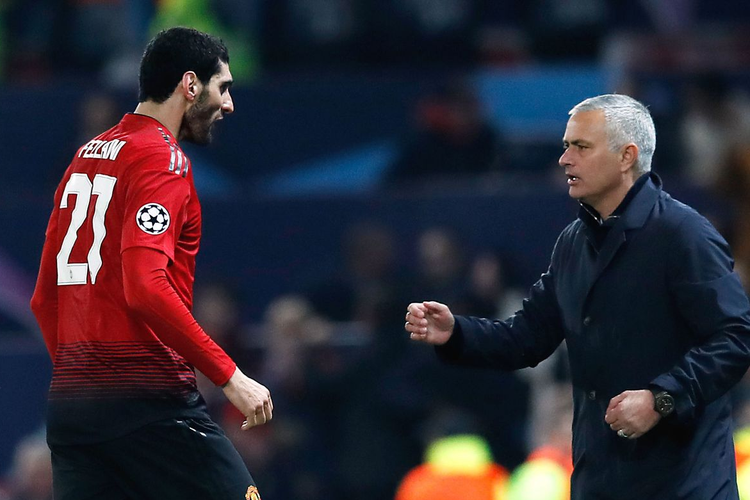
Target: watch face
664	404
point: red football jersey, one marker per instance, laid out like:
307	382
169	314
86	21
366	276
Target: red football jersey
129	187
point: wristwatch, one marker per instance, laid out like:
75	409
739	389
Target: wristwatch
663	402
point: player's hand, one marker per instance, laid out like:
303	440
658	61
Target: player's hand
430	322
633	413
251	398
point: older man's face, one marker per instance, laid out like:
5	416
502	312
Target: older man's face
595	173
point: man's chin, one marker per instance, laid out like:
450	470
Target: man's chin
203	139
197	129
575	193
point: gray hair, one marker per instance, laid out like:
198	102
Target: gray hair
626	121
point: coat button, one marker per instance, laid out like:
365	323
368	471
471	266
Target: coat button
592	395
587	321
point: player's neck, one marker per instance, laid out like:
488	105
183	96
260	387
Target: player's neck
169	113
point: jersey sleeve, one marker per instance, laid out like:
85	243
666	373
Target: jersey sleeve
44	300
155	206
149	294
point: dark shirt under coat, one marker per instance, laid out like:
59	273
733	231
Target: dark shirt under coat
653	304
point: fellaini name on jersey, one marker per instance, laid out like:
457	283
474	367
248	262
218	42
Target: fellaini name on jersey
102	150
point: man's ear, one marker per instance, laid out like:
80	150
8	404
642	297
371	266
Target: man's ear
629	156
190	85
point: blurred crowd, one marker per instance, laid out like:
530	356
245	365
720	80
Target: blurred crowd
101	41
359	407
41	40
355	399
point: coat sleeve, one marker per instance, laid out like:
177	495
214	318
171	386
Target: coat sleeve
523	340
710	298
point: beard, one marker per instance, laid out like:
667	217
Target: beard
198	122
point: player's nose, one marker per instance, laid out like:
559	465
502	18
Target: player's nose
228	105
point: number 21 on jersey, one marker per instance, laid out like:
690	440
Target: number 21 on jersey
70	273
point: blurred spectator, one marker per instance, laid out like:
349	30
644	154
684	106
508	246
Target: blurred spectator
31	473
379	408
376	386
545	381
216	308
546	473
716	120
367	285
291	329
443	275
292	458
735	187
452	139
488	294
441	266
719	137
458	463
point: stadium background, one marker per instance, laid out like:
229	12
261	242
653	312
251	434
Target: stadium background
304	179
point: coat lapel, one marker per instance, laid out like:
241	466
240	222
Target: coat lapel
632	219
615	239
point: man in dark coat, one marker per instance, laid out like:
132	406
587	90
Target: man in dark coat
656	322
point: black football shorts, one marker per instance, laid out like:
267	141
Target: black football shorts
172	459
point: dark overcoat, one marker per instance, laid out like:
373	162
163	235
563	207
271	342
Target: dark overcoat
656	304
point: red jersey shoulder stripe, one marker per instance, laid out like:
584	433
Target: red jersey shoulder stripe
177	159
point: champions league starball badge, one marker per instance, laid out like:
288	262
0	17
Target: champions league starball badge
152	218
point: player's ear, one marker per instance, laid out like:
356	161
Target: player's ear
190	85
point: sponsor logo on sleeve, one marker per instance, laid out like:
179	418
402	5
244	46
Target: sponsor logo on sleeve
152	218
252	493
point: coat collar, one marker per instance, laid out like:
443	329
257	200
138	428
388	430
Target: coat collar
633	210
637	211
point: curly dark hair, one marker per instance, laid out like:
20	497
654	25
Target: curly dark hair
173	52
